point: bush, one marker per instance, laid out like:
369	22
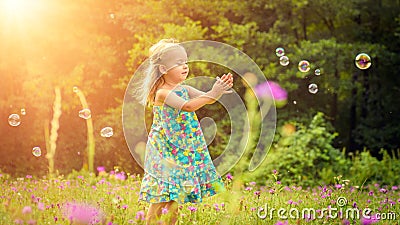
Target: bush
305	156
368	169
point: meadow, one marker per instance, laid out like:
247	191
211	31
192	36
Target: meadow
332	140
112	198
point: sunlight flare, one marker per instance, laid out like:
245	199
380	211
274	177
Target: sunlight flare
19	8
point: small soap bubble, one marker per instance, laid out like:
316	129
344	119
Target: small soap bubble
304	66
284	60
14	120
317	72
280	51
23	112
36	151
85	114
107	132
313	88
188	186
294	102
112	15
75	89
363	61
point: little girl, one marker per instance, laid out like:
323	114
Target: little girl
178	167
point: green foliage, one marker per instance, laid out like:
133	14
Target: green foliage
307	157
368	169
97	46
364	166
304	157
28	200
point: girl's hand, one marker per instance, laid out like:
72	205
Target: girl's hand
227	80
220	87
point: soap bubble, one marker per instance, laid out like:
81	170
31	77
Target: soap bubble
75	89
107	132
14	120
304	66
23	112
317	72
313	88
363	61
85	114
188	186
36	151
280	52
284	60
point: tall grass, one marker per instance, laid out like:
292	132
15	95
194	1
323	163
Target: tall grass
112	198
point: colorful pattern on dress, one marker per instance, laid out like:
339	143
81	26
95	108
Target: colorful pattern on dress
178	165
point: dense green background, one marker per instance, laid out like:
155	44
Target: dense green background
97	46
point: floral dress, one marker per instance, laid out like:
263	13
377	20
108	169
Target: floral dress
178	165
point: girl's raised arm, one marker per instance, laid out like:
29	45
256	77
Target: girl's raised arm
172	99
193	92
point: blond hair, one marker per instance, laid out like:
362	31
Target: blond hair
154	79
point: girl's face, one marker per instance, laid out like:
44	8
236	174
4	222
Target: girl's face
175	65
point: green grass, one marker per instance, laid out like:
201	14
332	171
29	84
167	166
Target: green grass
44	201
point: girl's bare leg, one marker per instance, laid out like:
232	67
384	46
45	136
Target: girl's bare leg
154	212
172	207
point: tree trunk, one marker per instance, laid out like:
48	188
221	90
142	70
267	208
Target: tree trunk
365	95
353	114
